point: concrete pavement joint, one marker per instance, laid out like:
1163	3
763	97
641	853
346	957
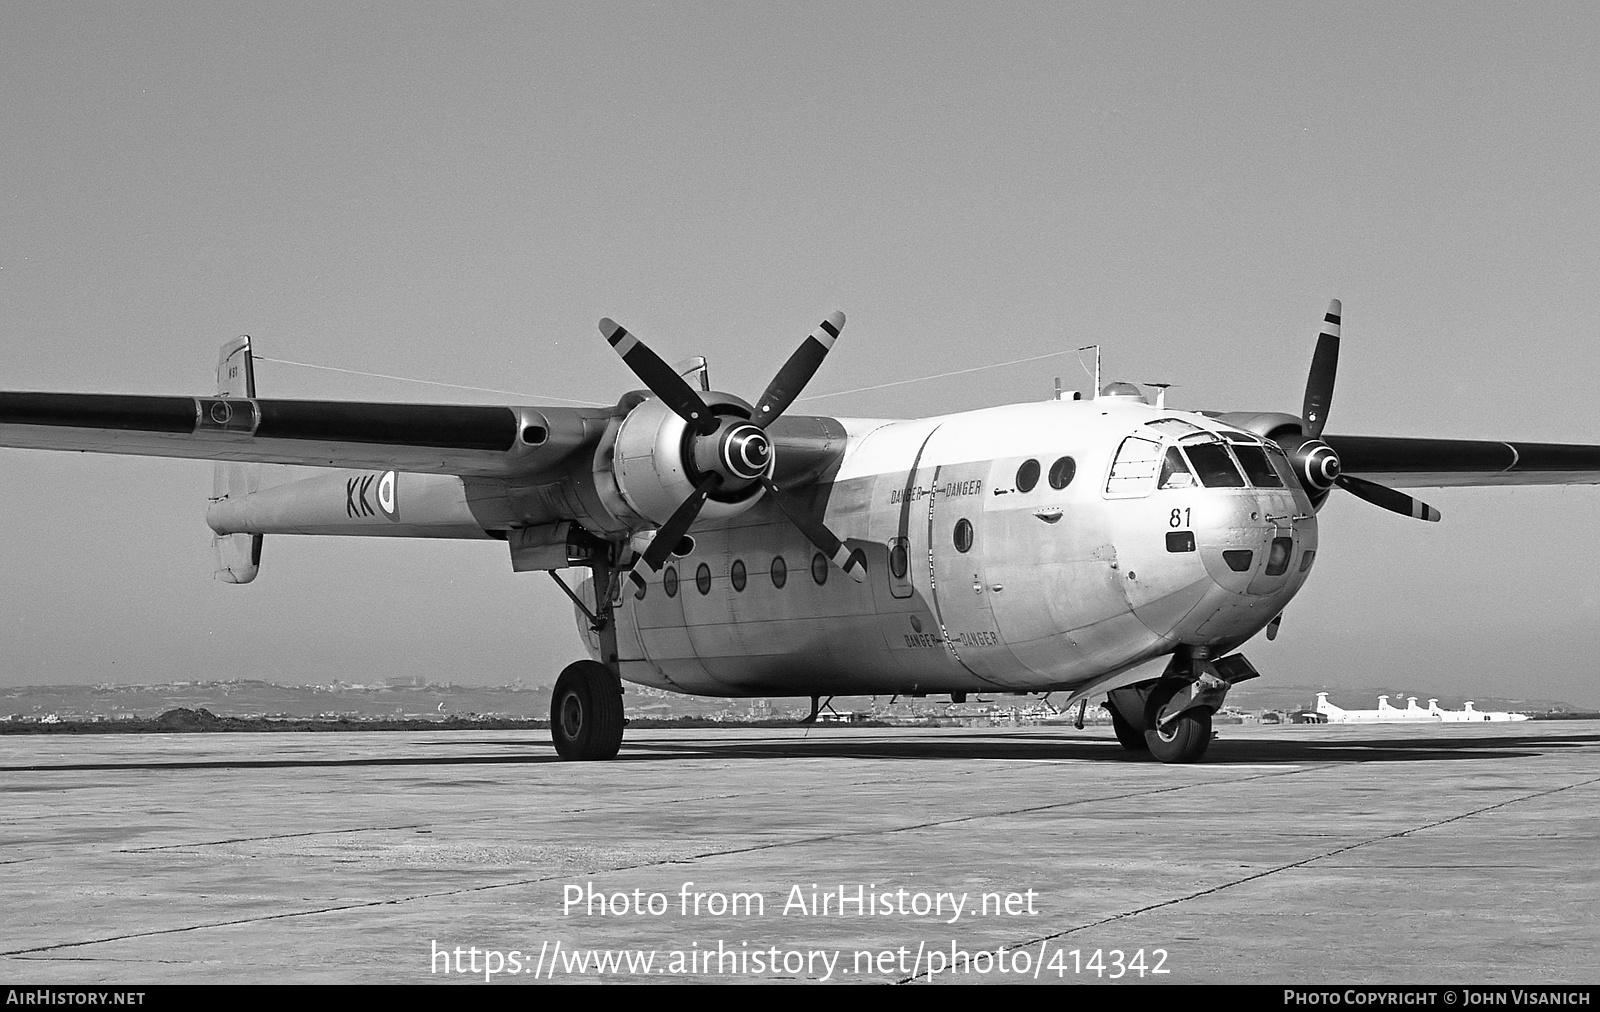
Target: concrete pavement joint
1287	867
395	901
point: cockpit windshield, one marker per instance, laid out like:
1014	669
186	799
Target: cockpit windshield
1211	461
1253	458
1191	456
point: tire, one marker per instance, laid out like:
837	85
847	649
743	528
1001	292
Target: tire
1185	740
1129	738
586	712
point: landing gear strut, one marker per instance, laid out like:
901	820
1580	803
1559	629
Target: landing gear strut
586	708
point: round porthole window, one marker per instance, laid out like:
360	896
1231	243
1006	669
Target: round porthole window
1062	471
736	574
780	572
1027	475
963	535
819	568
702	579
669	583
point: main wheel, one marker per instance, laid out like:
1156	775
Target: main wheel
1184	740
1129	738
586	712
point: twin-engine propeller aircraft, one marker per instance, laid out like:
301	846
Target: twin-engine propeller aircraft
1101	546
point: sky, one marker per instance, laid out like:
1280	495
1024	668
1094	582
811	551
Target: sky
458	192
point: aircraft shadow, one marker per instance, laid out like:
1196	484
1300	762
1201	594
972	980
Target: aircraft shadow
1070	748
1065	746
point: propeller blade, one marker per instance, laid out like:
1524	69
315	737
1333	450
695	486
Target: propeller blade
662	379
797	372
1324	366
673	530
818	534
1387	498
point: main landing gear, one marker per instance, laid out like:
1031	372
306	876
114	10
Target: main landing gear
586	712
586	708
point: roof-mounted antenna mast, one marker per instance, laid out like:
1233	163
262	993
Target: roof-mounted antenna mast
1095	393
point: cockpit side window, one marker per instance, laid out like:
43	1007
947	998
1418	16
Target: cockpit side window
1134	468
1253	458
1214	465
1175	471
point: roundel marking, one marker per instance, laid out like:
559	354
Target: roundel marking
387	500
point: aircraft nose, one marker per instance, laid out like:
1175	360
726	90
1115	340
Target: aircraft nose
1260	544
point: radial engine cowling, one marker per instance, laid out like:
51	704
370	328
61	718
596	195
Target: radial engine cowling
657	462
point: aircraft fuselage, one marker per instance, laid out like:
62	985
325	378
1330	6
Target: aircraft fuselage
986	571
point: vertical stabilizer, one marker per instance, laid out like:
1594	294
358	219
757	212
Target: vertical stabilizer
238	555
236	371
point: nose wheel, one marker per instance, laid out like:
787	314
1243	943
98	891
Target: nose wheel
1185	738
1128	736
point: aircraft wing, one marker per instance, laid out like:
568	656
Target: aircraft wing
1439	463
466	440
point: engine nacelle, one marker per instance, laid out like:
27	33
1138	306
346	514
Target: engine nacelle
656	463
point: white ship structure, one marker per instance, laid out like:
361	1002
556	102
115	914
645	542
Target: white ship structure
1386	714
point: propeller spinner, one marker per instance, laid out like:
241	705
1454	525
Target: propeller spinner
731	454
1315	462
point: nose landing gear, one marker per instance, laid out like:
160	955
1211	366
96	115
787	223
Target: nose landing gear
1171	717
1182	739
1128	736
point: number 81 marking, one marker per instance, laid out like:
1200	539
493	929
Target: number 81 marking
1179	518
